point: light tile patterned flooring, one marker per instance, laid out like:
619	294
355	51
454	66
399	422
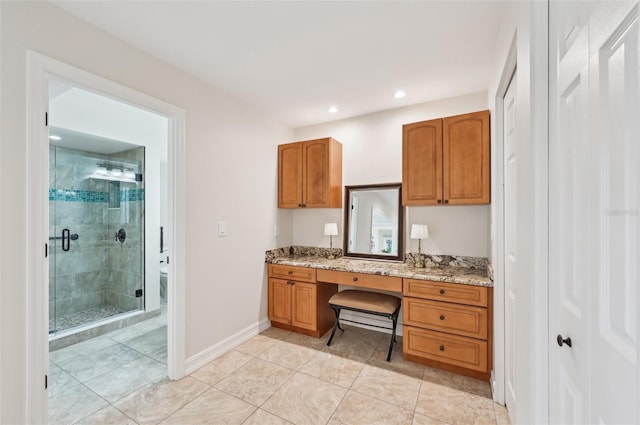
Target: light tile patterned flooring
277	377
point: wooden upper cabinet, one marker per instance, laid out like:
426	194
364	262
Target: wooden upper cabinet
465	153
310	174
422	163
290	175
446	161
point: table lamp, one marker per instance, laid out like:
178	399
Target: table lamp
419	232
331	230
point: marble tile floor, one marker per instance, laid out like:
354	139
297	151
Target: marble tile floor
277	377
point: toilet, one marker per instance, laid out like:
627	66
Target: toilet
164	270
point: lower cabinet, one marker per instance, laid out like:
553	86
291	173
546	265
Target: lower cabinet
448	326
299	306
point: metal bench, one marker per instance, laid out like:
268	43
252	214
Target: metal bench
366	302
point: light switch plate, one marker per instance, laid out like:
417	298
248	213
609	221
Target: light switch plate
222	228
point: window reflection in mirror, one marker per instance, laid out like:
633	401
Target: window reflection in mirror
373	222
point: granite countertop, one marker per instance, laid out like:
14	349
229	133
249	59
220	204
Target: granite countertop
438	273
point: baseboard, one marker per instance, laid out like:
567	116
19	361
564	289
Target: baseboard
493	383
196	361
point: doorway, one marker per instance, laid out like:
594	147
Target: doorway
509	174
41	70
107	330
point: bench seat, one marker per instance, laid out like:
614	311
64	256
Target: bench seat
366	302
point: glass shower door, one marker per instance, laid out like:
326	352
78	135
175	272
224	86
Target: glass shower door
96	235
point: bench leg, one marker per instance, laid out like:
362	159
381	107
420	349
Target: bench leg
336	325
394	317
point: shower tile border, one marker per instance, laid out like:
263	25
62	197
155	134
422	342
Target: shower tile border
73	195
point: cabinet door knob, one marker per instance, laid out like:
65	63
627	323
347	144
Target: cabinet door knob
442	317
442	292
289	282
290	272
446	201
442	348
439	201
355	279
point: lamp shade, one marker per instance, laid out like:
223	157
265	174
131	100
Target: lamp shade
331	229
419	231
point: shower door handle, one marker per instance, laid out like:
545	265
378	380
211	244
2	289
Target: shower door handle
66	236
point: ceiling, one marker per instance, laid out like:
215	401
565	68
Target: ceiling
87	142
294	59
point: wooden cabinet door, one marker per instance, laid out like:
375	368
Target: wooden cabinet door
279	301
422	163
315	173
304	312
466	162
290	175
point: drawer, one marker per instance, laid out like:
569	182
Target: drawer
446	317
372	281
455	350
301	274
449	292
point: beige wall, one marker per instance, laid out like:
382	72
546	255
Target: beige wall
231	176
372	153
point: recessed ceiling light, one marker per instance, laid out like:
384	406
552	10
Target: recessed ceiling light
54	137
399	94
332	109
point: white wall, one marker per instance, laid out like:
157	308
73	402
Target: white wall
372	153
526	23
231	175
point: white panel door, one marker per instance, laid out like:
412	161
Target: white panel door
593	216
510	212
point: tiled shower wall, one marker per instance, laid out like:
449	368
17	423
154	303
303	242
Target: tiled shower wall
97	270
125	261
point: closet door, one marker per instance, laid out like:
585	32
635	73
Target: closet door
594	218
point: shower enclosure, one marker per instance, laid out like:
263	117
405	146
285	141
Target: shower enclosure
96	235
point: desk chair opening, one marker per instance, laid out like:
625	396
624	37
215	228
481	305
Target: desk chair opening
366	302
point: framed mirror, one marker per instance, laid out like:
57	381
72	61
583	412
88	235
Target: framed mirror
373	222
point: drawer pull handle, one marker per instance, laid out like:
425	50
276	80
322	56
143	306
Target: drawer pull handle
441	291
355	279
442	317
290	272
442	348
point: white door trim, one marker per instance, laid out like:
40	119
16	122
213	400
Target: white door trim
498	377
39	69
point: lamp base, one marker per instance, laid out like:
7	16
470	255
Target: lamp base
419	264
331	257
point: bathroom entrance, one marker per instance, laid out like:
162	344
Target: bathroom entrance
61	96
107	196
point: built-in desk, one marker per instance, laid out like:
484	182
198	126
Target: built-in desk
447	310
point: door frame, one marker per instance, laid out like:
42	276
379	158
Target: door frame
498	379
39	69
